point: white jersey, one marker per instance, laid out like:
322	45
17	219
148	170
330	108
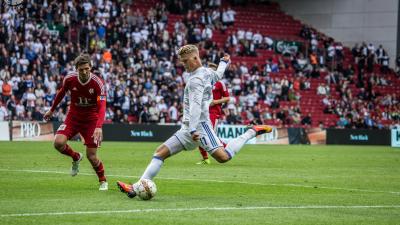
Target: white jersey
198	95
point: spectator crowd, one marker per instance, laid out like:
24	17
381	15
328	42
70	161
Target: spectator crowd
134	52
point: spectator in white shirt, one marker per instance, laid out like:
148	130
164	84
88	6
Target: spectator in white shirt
225	18
173	113
322	89
257	39
240	34
3	112
269	43
249	35
207	33
231	16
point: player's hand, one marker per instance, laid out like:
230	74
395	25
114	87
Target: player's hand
97	135
213	103
195	136
47	116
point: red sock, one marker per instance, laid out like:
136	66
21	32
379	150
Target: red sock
100	171
223	144
68	151
203	153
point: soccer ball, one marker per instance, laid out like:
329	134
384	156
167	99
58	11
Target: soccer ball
145	189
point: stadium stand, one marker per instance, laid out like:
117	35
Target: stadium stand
133	48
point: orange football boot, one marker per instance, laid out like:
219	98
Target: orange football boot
126	188
261	129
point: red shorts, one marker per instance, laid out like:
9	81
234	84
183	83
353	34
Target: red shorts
214	119
72	127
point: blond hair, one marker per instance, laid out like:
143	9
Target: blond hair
187	49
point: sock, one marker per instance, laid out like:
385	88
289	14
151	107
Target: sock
223	143
153	168
99	169
68	151
234	146
203	153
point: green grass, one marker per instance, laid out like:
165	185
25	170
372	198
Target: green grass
254	188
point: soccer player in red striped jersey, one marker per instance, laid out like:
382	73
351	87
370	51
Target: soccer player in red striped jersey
220	96
85	116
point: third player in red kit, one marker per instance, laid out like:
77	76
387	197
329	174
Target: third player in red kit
85	116
220	96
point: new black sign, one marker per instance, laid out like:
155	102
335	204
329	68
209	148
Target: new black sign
358	137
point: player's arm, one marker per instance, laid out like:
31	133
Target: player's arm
60	95
196	90
101	106
223	64
220	101
224	93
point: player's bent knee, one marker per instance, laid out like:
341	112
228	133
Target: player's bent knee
221	155
91	156
162	151
59	145
223	159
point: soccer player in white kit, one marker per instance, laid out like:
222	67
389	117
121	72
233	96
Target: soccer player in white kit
196	127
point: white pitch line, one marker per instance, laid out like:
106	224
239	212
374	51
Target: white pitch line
216	181
203	209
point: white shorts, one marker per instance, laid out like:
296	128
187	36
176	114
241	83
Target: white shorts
182	140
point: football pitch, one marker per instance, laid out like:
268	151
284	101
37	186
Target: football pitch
263	184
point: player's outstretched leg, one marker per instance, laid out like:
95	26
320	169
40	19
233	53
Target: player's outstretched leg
60	143
98	167
233	147
204	154
170	147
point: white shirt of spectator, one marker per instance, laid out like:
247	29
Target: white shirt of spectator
19	109
252	99
3	113
179	39
215	15
145	53
240	34
249	35
145	34
257	38
52	85
162	106
207	33
127	103
24	62
225	17
87	6
371	48
339	48
244	69
173	113
31	98
321	90
331	51
137	36
15	81
236	84
39	93
326	101
231	15
268	41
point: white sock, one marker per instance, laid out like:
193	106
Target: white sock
153	168
234	146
